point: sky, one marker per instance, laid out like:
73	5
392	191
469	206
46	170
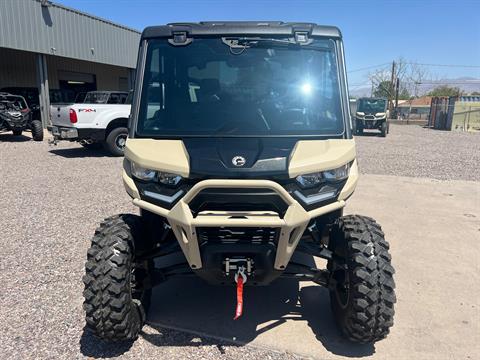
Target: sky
444	32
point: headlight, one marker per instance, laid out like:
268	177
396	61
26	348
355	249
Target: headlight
314	179
360	113
149	175
143	173
168	178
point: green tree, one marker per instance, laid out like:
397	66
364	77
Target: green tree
445	90
475	93
404	94
383	89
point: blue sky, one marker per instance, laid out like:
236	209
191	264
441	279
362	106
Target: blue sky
375	32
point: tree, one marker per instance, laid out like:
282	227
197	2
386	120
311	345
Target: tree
475	93
445	90
383	90
404	94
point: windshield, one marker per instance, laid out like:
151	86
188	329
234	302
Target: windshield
96	97
372	106
266	88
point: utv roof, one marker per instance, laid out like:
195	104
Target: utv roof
257	28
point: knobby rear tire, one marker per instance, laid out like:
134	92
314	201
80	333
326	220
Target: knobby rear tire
37	130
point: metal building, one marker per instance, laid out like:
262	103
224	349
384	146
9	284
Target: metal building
49	53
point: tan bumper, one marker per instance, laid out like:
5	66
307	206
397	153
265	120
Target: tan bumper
292	225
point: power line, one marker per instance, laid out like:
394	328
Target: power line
368	67
419	64
472	82
444	65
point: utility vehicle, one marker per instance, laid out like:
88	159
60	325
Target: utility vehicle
240	157
101	119
372	113
16	116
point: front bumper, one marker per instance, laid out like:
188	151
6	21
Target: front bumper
371	122
290	226
19	123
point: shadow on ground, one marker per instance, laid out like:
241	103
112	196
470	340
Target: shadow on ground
93	347
9	137
80	152
190	304
204	313
370	134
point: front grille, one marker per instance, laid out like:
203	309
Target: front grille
369	117
238	199
237	235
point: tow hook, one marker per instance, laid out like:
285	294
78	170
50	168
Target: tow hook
242	267
240	279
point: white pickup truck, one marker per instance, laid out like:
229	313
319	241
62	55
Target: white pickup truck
101	119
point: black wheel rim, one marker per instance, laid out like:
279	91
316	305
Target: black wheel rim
342	285
120	141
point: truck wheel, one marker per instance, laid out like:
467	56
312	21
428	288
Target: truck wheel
37	130
115	141
384	129
17	132
116	300
362	294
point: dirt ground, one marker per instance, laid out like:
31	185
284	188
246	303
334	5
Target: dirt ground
428	203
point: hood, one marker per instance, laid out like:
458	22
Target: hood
239	157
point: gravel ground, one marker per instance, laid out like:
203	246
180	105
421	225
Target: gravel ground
52	198
415	151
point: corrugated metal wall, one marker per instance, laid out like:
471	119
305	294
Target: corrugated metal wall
17	68
57	30
107	76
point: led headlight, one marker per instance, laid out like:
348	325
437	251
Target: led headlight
143	173
168	178
150	175
314	179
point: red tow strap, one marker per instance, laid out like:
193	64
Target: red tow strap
239	310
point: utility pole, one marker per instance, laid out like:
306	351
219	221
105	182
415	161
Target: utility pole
397	89
391	88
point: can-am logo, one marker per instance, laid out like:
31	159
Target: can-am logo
239	161
87	110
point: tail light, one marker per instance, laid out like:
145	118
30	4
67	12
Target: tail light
73	116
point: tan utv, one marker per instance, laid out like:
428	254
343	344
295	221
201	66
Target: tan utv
240	157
